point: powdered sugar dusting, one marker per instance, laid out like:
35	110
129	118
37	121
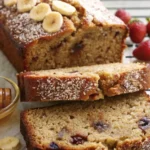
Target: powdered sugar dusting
134	81
66	88
22	28
26	30
99	12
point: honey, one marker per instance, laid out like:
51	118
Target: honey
5	97
9	96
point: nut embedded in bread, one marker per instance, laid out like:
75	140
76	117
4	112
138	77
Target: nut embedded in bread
84	83
32	48
120	123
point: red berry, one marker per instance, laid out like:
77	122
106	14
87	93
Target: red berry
142	52
148	26
123	15
78	139
137	31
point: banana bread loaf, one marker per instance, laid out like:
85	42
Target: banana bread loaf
116	123
88	35
84	83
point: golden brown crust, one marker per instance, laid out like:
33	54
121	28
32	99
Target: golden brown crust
11	49
24	30
137	142
127	82
15	42
143	144
73	86
96	9
22	35
130	145
24	128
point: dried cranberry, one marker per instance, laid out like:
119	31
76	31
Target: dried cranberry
77	47
116	34
100	126
78	139
35	58
54	146
144	123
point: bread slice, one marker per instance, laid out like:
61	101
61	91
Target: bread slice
116	123
29	47
84	83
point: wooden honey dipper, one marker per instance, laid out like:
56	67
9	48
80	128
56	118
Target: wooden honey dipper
5	97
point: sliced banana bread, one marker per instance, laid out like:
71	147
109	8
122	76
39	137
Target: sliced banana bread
84	83
64	41
116	123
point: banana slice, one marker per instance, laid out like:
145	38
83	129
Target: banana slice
9	3
9	143
25	5
63	8
39	12
53	22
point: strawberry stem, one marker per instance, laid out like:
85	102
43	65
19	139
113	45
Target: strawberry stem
134	20
148	19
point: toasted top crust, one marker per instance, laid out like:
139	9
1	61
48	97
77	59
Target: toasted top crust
100	14
24	30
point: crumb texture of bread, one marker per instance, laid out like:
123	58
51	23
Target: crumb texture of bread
84	83
72	45
116	123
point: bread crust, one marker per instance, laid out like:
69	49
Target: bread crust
31	145
141	143
135	145
36	87
16	51
10	48
23	43
71	87
127	82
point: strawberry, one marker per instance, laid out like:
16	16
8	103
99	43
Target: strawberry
137	31
142	52
148	26
123	15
